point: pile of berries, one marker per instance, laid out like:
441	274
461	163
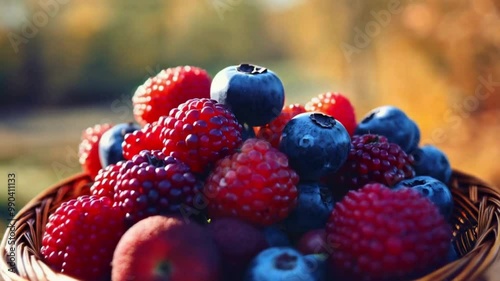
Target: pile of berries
220	180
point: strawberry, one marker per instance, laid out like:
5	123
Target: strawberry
169	88
88	150
271	132
336	105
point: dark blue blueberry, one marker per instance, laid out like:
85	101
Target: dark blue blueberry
316	145
282	263
431	161
247	132
276	237
394	124
433	189
314	206
452	253
110	145
318	263
254	94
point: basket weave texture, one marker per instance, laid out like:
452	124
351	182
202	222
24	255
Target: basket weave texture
476	226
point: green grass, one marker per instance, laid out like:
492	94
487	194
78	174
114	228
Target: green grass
41	148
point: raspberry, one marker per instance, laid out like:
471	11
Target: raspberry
373	159
80	237
381	234
88	151
154	184
199	132
336	105
104	183
272	131
255	185
147	138
169	88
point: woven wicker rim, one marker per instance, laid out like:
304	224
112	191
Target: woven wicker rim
475	221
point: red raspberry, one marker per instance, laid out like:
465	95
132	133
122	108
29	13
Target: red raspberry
199	132
104	183
147	138
376	233
88	151
255	185
80	237
154	184
373	159
336	105
169	88
272	131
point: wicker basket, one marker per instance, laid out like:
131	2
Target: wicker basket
475	221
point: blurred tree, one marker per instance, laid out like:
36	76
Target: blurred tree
96	51
100	50
121	53
240	34
464	37
22	77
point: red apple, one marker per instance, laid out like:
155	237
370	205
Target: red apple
165	248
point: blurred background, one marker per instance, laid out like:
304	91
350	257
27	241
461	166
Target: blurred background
66	65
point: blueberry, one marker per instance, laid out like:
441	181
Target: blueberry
314	206
431	161
110	145
433	189
254	94
276	237
394	124
316	145
452	254
283	263
318	265
247	132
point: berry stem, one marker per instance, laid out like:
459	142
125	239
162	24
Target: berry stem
251	69
323	120
285	262
155	161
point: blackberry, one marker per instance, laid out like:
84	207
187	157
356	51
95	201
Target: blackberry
372	159
154	184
